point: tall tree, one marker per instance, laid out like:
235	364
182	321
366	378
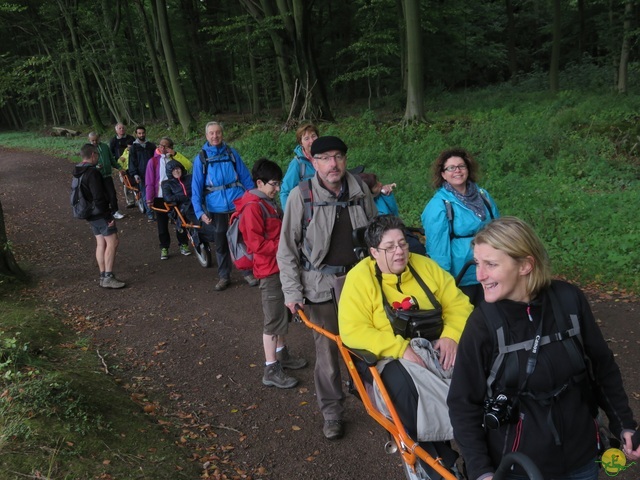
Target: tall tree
8	264
155	64
414	111
623	68
554	67
69	10
186	120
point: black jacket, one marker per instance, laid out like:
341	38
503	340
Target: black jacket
139	157
570	412
119	145
93	189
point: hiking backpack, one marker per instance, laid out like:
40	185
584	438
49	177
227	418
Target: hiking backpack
81	207
242	259
506	363
307	197
206	161
449	209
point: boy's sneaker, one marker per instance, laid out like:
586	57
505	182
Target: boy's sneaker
184	250
287	361
150	217
251	280
164	253
110	281
274	376
118	216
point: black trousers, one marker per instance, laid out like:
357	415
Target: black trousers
162	220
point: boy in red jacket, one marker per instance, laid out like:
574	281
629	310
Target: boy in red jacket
260	225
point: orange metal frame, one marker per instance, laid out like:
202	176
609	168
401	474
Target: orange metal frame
409	448
127	183
167	208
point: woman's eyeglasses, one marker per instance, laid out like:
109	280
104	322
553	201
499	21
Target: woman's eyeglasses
453	168
402	246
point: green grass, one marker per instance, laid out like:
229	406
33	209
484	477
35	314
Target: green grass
62	416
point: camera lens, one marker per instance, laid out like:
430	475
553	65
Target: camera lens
491	421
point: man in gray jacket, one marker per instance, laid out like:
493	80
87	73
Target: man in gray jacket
316	246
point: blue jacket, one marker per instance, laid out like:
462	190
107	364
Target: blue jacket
227	178
387	205
293	176
452	253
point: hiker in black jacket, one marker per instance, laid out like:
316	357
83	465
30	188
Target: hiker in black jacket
532	366
101	218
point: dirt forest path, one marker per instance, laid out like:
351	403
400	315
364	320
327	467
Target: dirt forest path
199	351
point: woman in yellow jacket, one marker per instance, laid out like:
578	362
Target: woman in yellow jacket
393	276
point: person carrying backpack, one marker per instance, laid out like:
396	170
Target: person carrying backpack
219	177
260	221
100	217
301	167
456	212
532	366
316	245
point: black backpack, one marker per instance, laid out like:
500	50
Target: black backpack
564	303
81	207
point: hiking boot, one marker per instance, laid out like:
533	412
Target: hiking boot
333	429
164	253
290	362
274	376
110	281
184	250
131	205
118	216
251	280
222	284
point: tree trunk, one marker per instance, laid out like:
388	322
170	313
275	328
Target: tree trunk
554	68
511	43
155	65
186	120
68	12
76	92
316	95
8	265
414	111
623	74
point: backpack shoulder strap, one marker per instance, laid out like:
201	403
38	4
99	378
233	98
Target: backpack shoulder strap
497	327
485	199
449	211
307	198
302	170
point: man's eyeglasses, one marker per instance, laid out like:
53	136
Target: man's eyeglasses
402	246
453	168
274	183
325	158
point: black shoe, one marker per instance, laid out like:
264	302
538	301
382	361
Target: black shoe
333	429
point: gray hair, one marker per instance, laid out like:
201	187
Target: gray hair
210	124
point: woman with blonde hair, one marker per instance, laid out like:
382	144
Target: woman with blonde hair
532	367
